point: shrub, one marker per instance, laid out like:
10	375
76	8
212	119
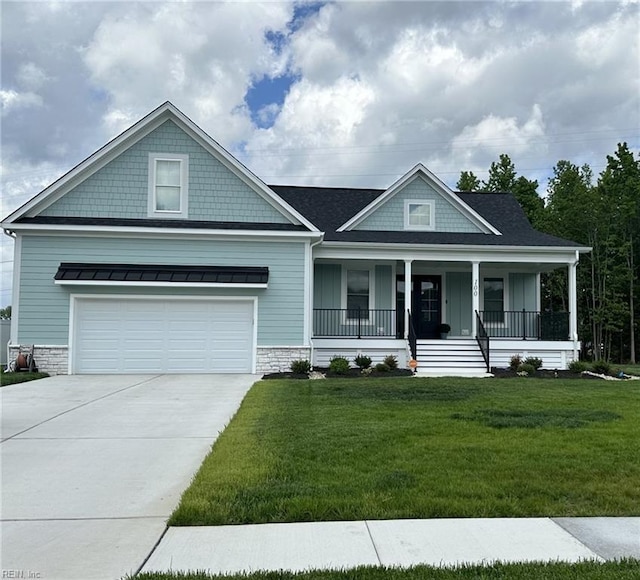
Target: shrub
382	368
516	361
362	361
578	366
339	365
391	361
527	368
535	362
300	367
602	367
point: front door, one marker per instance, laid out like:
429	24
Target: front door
426	305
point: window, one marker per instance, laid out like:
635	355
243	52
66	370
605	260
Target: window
494	300
168	179
418	215
357	294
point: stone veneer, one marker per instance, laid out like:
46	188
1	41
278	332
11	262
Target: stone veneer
275	359
49	359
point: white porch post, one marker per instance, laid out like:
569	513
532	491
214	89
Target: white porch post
573	307
475	296
407	295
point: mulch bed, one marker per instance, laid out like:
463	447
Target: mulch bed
353	373
541	374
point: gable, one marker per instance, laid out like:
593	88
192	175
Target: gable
120	189
390	215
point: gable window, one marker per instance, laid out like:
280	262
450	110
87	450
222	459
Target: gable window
358	294
168	179
418	215
494	300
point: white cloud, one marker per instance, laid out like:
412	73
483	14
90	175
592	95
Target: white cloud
11	100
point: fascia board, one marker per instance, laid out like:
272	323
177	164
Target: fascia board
106	231
431	252
435	182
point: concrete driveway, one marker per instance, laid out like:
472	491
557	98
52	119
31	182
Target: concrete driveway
92	466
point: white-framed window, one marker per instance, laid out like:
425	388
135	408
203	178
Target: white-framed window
168	185
357	292
419	215
494	302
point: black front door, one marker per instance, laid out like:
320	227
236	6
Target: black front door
426	305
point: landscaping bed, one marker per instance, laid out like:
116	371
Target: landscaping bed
351	373
388	448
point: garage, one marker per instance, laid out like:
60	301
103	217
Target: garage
151	334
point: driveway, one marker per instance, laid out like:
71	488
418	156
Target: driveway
92	466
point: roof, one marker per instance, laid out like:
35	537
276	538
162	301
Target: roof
328	208
72	272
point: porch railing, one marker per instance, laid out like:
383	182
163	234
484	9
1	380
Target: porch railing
354	322
526	324
483	341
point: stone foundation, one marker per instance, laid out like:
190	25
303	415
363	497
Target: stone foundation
277	359
49	359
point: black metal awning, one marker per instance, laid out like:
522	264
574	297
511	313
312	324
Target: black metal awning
78	273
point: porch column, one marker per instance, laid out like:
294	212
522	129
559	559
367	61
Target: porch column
407	295
573	303
475	296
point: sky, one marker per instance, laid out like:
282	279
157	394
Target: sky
347	94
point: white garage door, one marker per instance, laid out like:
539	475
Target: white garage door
163	336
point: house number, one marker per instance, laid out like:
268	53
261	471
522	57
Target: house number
475	287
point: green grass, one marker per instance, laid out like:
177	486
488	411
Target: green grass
621	570
629	369
355	449
13	378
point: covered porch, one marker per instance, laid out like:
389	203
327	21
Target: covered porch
440	312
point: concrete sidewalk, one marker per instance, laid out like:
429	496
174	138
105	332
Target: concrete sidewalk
440	542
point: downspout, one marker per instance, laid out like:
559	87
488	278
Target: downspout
311	294
575	306
13	331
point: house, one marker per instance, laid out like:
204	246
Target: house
162	253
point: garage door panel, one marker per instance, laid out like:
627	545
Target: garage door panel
165	335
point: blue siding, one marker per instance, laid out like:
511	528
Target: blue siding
522	292
44	306
390	215
120	189
459	302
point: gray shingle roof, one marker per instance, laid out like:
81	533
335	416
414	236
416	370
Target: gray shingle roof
329	208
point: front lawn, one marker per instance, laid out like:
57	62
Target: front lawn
13	378
422	448
621	570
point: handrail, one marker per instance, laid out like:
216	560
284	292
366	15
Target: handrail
354	322
412	338
483	340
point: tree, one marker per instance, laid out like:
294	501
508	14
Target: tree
502	176
468	182
5	313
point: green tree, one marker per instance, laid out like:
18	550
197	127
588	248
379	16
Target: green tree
5	313
502	176
468	182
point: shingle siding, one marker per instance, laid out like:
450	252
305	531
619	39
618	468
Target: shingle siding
390	215
120	189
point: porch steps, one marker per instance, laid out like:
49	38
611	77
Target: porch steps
450	357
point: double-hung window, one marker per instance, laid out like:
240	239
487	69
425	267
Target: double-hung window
358	294
494	300
168	184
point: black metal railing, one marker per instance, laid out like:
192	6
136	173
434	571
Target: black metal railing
354	322
525	324
413	339
483	341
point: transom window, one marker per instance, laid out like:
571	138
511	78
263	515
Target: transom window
418	215
357	294
168	179
494	300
